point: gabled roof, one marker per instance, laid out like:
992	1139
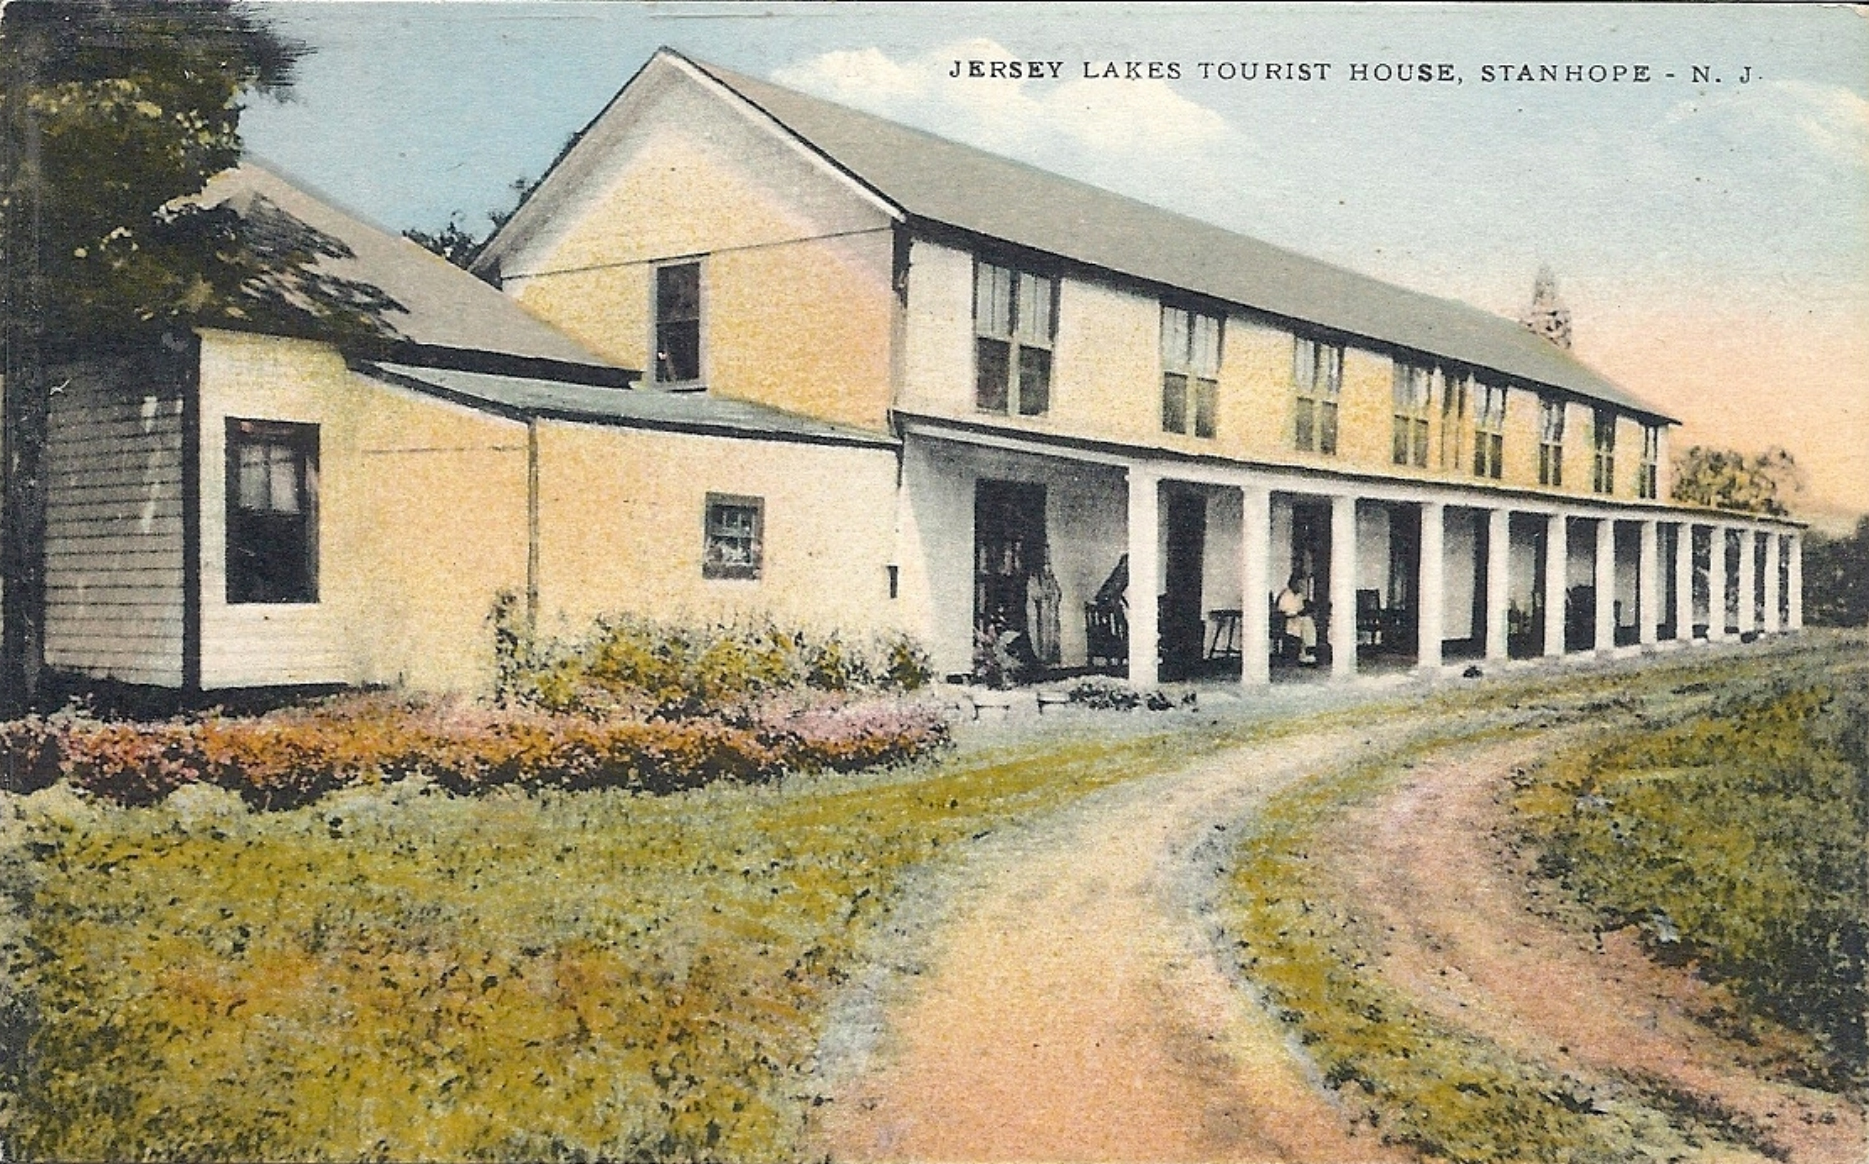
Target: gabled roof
936	182
432	307
526	397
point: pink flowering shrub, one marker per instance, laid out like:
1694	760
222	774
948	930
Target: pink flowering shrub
293	757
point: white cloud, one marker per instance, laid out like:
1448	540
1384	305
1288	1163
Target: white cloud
1048	119
1822	123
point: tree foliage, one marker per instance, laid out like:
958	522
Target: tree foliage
120	114
114	114
1766	482
1836	577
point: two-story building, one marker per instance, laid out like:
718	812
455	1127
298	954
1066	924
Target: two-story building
886	382
1089	391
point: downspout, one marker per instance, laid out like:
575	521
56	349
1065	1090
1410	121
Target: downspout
190	359
532	525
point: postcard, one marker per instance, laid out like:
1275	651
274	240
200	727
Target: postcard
701	581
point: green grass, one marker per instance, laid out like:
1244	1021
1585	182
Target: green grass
403	974
1736	840
396	974
1447	1092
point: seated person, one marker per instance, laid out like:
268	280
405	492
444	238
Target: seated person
1299	622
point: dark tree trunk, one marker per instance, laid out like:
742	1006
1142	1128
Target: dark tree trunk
23	394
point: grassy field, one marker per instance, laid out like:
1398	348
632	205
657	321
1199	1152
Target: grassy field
1718	851
394	972
1739	840
399	973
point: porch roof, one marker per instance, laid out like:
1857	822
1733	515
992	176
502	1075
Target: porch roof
1292	476
527	397
942	182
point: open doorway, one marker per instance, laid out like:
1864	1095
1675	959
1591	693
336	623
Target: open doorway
1016	598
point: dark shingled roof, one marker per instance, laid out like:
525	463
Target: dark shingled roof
525	397
944	182
441	306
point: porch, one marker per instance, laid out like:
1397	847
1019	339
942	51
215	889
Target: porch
1263	575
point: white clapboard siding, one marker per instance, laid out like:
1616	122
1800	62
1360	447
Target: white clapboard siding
114	592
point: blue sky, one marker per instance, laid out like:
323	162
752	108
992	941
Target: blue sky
1712	239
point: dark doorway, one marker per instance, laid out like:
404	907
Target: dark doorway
1009	568
1405	580
1310	566
1667	546
1183	627
1525	617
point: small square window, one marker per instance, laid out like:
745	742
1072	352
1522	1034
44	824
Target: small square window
733	545
272	512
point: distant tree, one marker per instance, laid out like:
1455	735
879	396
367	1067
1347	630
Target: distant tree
1836	577
452	242
114	114
461	246
1766	482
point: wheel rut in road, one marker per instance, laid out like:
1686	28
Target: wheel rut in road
1073	1006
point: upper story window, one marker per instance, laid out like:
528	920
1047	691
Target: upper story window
1455	387
1317	385
733	536
1190	371
272	512
1414	394
1489	430
1015	322
1603	464
1648	482
1550	441
678	324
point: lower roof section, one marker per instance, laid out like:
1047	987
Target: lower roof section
530	398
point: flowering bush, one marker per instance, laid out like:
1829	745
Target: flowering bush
293	757
632	664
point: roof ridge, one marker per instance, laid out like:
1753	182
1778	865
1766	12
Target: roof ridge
758	92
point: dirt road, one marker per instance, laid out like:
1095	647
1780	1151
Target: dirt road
1062	996
1073	1008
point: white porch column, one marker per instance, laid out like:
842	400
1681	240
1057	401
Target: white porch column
1794	584
1684	582
1771	625
1557	564
1255	585
1145	568
1342	586
1648	584
1498	554
1605	583
1716	583
1748	582
1431	592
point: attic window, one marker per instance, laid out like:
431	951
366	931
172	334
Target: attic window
272	512
678	324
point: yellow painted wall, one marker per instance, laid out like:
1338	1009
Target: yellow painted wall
1256	401
1106	371
1521	438
621	528
421	519
797	308
1628	456
1367	414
